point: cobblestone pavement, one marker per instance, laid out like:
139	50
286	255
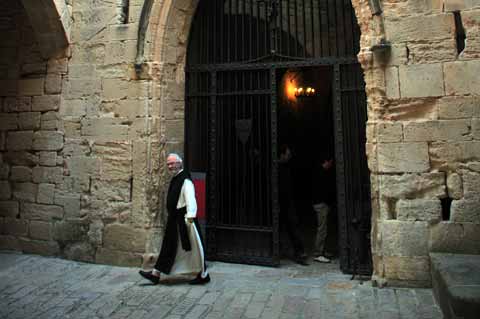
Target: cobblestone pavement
39	287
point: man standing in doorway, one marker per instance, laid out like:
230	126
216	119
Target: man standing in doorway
288	213
182	250
323	191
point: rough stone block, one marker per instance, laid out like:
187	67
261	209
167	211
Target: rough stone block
400	238
429	27
8	87
392	85
41	212
15	227
46	103
124	238
9	209
53	83
10	243
121	52
449	155
105	127
21	140
8	122
47	158
119	258
74	184
48	141
429	210
118	190
31	86
455	107
407	268
388	132
406	186
70	203
50	121
95	233
78	88
116	169
70	231
462	77
29	120
59	66
51	175
130	108
47	248
122	32
21	174
73	108
10	104
476	129
115	89
459	238
454	186
45	193
79	251
444	50
403	157
5	190
24	103
426	131
79	166
40	230
470	23
174	130
25	191
33	69
471	184
466	210
21	158
424	80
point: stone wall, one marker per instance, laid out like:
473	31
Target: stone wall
83	134
79	137
423	141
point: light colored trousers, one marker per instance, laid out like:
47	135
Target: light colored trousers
321	210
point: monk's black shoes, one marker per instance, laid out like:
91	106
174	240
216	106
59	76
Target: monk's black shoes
150	276
199	280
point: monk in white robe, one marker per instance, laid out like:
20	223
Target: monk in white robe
182	250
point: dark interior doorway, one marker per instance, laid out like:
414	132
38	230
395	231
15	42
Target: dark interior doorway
305	124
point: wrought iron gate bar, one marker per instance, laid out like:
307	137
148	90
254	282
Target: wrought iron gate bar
278	64
241	228
259	92
237	48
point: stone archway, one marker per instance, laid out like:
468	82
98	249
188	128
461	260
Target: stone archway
400	246
51	21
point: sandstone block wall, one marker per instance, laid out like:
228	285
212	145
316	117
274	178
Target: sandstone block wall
423	144
82	135
80	144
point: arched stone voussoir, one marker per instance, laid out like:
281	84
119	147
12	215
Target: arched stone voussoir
50	20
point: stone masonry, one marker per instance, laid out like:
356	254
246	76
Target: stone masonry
84	129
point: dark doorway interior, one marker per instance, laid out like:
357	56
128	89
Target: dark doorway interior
305	124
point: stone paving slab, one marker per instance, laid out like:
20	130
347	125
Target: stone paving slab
41	287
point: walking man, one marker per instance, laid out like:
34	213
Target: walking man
182	249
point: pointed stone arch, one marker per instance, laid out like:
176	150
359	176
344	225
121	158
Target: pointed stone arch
51	23
162	57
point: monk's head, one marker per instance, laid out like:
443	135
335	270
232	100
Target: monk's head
174	163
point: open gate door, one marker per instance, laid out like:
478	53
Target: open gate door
353	178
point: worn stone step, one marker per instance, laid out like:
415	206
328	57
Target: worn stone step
456	284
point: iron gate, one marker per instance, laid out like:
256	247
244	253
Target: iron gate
235	48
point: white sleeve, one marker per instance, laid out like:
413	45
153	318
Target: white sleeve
189	195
